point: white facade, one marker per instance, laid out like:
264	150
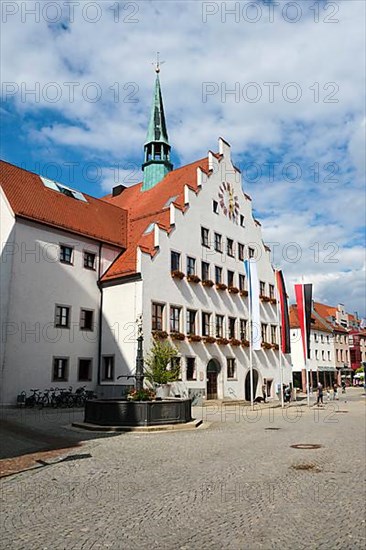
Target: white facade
322	358
33	283
123	303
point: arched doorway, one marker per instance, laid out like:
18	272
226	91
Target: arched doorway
213	369
247	384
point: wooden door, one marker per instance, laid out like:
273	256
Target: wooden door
212	385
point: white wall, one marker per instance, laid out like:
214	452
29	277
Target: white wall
39	282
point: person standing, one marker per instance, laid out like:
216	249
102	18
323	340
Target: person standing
320	394
264	393
335	391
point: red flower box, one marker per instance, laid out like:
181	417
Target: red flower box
194	338
243	293
162	334
208	283
209	340
193	279
222	341
264	298
245	343
177	274
177	336
266	345
275	346
221	286
273	301
234	342
233	290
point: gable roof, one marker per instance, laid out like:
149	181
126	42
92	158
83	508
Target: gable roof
316	324
30	199
151	206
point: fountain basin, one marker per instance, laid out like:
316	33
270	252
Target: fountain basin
120	412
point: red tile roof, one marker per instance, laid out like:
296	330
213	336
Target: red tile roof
316	324
146	207
30	199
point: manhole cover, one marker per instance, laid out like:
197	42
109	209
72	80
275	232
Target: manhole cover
272	428
341	411
306	446
306	467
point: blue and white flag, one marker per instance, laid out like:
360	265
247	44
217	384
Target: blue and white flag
253	292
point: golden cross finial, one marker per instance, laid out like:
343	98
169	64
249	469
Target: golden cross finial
158	63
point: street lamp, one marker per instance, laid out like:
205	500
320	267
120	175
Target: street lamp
140	356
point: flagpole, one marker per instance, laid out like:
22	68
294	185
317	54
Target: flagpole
280	343
251	356
306	359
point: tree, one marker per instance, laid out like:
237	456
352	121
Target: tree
161	369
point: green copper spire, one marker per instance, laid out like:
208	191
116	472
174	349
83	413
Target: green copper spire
156	148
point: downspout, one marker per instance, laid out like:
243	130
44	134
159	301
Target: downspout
100	315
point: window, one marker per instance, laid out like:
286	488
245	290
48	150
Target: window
323	355
322	338
230	278
218	275
215	207
205	268
89	260
66	254
241	252
191	266
157	316
218	242
62	319
315	337
86	319
251	252
262	288
271	291
175	318
316	354
174	261
328	355
243	329
205	237
264	332
242	220
206	319
231	368
191	368
273	334
232	327
85	370
241	282
230	247
327	339
341	354
108	367
219	326
191	321
60	369
176	362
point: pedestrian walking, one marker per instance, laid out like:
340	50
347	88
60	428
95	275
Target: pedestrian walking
335	391
264	393
320	394
343	387
287	394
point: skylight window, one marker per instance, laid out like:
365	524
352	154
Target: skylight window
169	201
149	228
61	188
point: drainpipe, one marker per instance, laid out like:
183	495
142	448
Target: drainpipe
100	316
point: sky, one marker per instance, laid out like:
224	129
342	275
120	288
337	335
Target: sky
282	82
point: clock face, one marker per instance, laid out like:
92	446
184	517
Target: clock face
229	201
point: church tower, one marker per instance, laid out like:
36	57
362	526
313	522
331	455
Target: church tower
156	148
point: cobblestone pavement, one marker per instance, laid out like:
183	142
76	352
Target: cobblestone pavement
234	485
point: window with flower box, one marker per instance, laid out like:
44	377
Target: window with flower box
175	314
205	271
218	242
273	334
271	291
174	261
206	320
230	247
191	368
191	321
232	327
243	329
157	316
262	288
231	367
241	282
205	237
230	278
241	252
218	275
264	332
219	326
191	266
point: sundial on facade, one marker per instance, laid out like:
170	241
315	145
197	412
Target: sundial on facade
228	201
